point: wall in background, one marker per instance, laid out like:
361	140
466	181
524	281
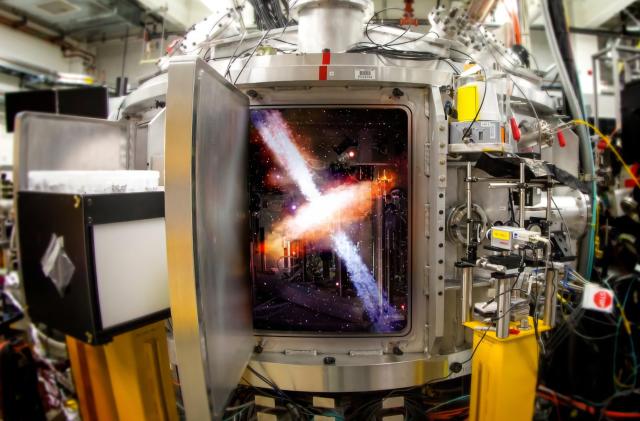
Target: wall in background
33	52
110	57
20	47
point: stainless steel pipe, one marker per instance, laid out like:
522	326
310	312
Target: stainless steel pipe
466	291
504	308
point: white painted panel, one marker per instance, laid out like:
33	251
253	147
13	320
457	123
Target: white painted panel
131	269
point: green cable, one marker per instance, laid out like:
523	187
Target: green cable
615	343
440	405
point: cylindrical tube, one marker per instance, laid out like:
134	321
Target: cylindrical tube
466	289
523	192
469	205
478	10
466	292
504	308
318	20
379	245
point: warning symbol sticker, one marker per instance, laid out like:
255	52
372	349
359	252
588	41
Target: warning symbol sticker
597	298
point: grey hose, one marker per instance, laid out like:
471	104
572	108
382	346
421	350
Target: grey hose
586	149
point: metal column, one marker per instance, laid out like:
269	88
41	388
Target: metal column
504	307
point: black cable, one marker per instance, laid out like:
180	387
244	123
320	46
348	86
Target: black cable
437	379
366	28
455	70
509	291
511	209
574	329
375	46
283	395
251	55
535	315
288	20
231	61
476	347
494	319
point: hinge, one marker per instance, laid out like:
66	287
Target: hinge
311	352
365	352
427	220
425	286
427	158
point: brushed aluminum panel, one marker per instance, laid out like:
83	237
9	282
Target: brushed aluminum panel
206	216
308	373
59	142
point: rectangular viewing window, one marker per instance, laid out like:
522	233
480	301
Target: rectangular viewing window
329	199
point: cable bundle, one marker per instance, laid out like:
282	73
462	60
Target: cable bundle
271	14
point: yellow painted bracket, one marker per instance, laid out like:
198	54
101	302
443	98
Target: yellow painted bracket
126	379
504	374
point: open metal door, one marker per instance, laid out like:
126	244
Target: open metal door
206	207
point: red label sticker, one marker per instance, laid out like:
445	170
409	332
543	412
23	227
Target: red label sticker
602	299
597	298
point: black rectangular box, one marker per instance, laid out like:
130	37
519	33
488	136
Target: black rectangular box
115	243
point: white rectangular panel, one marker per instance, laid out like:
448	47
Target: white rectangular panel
131	270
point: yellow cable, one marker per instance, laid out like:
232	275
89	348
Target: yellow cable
627	324
610	146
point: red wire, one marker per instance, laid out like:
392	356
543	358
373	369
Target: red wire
447	414
617	414
587	408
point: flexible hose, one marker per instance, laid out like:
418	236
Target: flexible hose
586	149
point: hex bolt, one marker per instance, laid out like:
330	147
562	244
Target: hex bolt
329	360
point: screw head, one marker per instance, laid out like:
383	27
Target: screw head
329	360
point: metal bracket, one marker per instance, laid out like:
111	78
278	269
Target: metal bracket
427	221
425	285
427	159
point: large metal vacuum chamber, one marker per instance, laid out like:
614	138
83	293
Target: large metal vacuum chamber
309	224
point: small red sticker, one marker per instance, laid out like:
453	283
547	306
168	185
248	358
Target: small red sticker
602	299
